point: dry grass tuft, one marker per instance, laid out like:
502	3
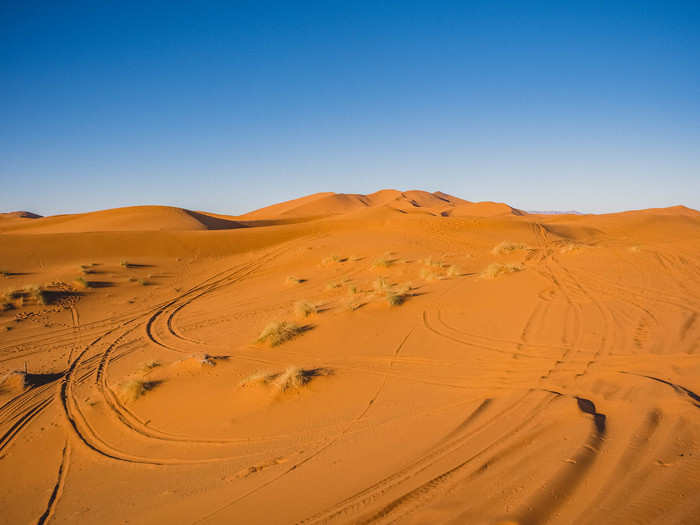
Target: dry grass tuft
291	378
428	275
148	366
80	282
383	262
380	284
279	332
497	269
333	285
304	309
507	247
40	295
133	389
333	259
395	299
453	271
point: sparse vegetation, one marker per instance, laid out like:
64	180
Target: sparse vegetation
380	284
428	274
40	295
395	299
279	332
332	259
124	263
496	269
135	388
453	271
82	283
383	262
291	378
143	282
398	296
432	263
150	365
507	247
294	280
355	305
304	309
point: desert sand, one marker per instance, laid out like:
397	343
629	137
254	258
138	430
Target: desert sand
398	357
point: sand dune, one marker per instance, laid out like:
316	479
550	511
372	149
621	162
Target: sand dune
396	357
133	218
324	204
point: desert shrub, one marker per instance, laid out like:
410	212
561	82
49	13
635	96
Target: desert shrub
380	284
304	308
496	269
332	259
453	271
40	295
428	274
294	280
80	282
135	388
395	299
382	262
507	247
279	332
291	378
150	365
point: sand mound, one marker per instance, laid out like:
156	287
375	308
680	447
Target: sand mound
133	218
325	204
484	209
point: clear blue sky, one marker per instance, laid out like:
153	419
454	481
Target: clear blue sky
229	106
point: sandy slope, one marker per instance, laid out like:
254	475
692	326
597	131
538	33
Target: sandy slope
564	392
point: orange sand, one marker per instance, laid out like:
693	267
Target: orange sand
561	386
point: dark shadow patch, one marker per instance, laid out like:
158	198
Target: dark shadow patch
215	223
99	284
34	380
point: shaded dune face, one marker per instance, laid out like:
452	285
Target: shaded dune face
395	357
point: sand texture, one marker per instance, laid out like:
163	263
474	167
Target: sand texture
397	357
